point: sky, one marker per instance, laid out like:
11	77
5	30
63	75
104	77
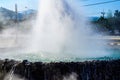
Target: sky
97	9
90	10
22	4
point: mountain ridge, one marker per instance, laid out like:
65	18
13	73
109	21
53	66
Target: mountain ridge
26	14
11	15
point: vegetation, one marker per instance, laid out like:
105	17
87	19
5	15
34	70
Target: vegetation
109	24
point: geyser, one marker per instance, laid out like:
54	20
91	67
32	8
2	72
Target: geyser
61	31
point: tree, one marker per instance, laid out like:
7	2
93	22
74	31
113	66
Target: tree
117	14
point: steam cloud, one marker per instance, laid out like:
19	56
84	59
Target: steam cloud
63	31
60	32
72	76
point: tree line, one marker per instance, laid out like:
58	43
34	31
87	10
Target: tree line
109	24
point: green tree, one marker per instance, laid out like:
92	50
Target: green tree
117	14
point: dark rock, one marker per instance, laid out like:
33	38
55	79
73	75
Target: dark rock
88	70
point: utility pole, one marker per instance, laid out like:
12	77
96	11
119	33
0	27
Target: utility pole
16	23
16	12
103	14
26	12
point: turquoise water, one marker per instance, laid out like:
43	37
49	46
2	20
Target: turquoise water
113	54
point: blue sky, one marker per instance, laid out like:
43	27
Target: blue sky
90	10
96	9
10	4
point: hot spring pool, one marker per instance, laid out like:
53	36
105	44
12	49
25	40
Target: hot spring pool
113	54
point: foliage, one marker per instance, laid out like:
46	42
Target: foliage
110	25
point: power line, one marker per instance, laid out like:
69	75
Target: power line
84	0
101	3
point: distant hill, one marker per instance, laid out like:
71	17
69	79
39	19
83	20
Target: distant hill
8	14
28	13
11	15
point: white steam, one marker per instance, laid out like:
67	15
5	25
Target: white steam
14	77
62	31
72	76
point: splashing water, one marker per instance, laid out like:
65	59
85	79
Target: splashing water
11	75
62	31
72	76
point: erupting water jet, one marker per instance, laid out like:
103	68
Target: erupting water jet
62	32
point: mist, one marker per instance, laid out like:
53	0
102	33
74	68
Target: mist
13	77
60	31
72	76
63	31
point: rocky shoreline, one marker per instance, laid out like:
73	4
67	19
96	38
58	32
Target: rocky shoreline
88	70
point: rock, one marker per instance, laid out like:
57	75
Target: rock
88	70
